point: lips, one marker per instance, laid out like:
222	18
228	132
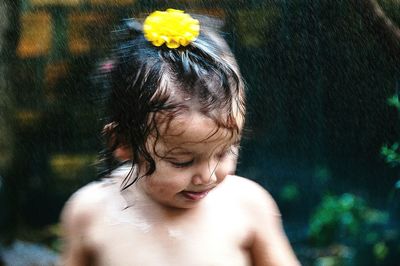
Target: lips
193	195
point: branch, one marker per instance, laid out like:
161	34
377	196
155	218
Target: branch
381	25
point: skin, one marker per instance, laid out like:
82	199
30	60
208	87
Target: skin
191	211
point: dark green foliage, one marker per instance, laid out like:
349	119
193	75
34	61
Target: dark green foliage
392	153
346	221
342	219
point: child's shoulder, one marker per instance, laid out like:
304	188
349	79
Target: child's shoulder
268	241
88	202
94	192
97	193
251	195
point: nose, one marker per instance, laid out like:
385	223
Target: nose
205	173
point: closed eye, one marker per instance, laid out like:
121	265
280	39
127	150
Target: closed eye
182	164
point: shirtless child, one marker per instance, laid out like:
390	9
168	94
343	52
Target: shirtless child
175	116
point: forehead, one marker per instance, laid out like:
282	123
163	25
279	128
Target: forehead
194	128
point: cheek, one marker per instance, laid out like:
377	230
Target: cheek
165	179
154	184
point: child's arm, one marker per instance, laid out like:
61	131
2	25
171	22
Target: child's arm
75	222
270	245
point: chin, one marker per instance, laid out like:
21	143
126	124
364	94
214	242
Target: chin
186	205
181	204
178	206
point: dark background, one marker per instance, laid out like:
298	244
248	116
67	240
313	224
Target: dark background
319	74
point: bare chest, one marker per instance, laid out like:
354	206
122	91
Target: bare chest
211	239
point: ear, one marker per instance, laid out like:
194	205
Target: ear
123	153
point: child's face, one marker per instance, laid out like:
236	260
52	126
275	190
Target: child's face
191	159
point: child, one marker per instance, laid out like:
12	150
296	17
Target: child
175	117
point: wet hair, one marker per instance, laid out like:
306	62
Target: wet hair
141	81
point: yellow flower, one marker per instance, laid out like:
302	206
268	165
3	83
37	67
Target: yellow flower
172	27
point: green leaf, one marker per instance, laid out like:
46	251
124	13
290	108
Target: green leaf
380	250
394	101
397	185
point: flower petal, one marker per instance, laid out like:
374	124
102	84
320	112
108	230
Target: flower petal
172	27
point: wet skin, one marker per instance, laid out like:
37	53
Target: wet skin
192	157
190	211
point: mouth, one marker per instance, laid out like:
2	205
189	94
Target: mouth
195	195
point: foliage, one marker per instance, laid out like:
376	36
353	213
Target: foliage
392	153
394	101
339	218
347	220
289	192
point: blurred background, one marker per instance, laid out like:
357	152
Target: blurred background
323	79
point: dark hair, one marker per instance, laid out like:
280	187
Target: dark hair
142	80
